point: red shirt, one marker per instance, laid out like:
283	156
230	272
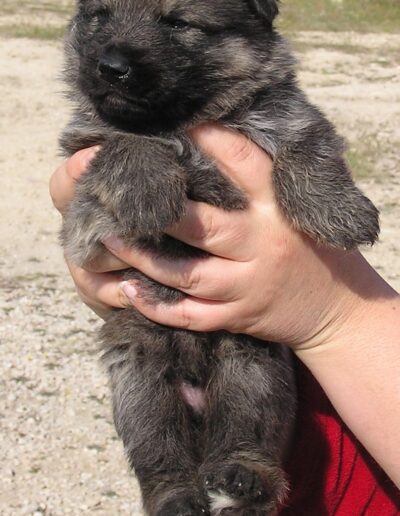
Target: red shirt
329	471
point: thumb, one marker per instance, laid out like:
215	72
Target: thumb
237	157
62	182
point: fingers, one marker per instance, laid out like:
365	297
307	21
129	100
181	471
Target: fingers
107	262
100	291
221	233
98	287
228	234
237	157
225	236
189	314
209	278
62	182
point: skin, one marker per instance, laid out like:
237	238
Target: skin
265	279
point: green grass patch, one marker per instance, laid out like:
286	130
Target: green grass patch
340	15
364	156
296	15
32	31
360	165
61	7
301	46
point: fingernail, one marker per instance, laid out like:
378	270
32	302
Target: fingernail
89	155
129	290
113	243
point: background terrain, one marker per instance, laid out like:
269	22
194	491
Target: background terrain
58	449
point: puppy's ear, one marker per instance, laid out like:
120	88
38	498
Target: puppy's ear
267	9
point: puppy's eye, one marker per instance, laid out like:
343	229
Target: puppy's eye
176	23
100	15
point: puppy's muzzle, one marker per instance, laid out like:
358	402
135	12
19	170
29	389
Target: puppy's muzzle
113	66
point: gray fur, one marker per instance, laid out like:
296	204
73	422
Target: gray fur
142	72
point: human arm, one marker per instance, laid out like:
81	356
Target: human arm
266	279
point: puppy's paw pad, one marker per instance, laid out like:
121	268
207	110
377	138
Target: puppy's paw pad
245	488
184	506
239	481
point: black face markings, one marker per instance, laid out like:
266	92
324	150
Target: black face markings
148	65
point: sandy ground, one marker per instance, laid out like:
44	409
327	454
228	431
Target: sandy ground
59	452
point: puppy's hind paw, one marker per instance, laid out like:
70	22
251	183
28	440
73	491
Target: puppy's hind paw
244	489
184	505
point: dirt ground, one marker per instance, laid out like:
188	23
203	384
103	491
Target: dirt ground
59	452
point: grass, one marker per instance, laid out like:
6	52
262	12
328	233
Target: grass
347	47
296	15
41	32
41	19
62	7
340	15
46	20
110	494
365	154
361	164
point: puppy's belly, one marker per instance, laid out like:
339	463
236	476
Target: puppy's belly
193	396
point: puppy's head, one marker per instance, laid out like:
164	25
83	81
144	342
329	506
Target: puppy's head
151	65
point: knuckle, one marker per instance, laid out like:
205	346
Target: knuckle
241	150
207	230
185	318
122	300
190	281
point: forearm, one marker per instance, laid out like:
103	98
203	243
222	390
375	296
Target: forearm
359	369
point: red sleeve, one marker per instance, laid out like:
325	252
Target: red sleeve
329	471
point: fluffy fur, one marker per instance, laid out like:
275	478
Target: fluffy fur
141	72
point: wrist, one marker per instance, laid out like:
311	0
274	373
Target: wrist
357	306
357	366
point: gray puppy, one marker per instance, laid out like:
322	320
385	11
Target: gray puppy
141	72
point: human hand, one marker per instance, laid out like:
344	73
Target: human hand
263	277
98	284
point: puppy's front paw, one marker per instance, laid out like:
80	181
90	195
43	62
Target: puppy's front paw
324	203
345	221
148	210
358	222
139	183
85	225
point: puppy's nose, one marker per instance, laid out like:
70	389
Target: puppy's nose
113	67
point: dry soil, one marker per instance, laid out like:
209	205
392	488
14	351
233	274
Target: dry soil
59	452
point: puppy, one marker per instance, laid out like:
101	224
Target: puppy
141	73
